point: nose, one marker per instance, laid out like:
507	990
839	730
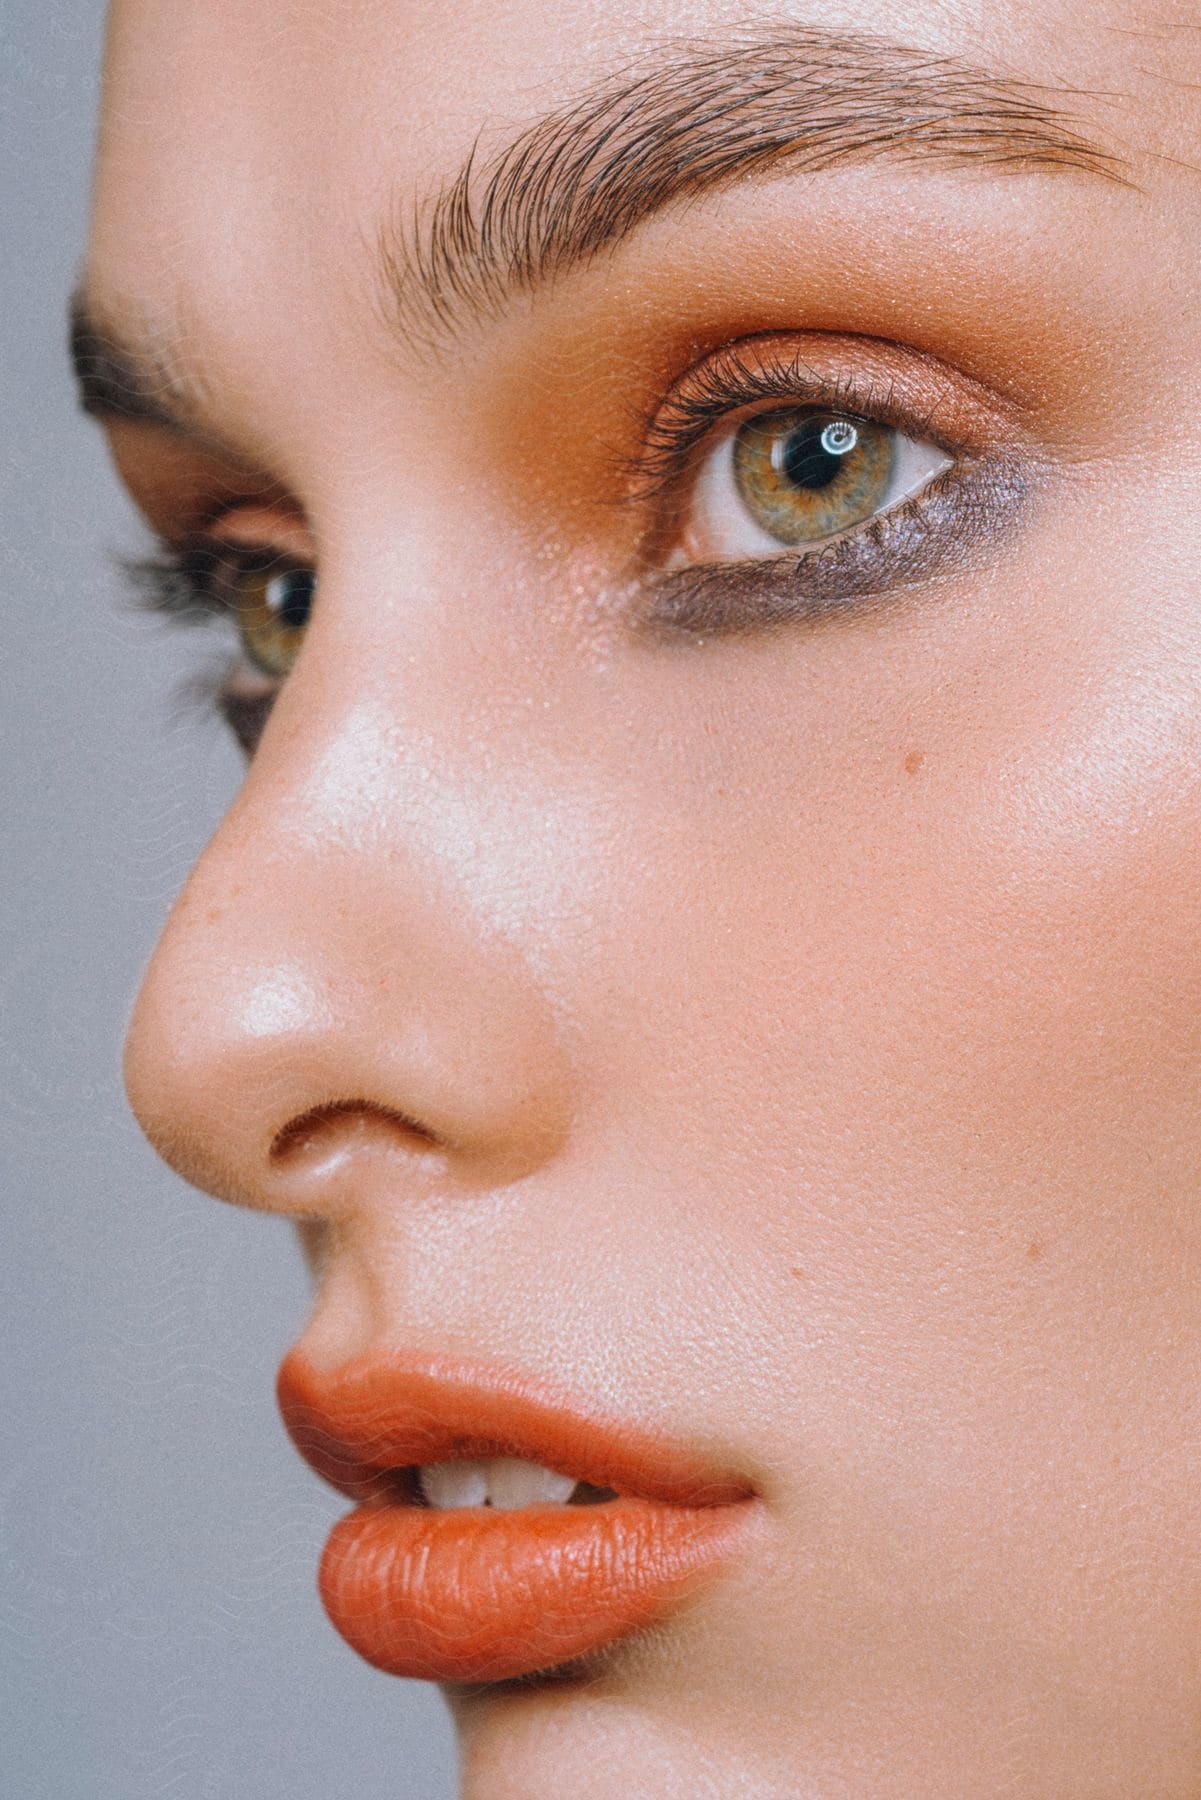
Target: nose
347	979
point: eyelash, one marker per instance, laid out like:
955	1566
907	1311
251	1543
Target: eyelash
182	580
864	569
725	384
878	558
183	583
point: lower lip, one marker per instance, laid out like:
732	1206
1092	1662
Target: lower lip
470	1594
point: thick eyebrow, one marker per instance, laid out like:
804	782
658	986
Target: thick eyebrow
581	178
120	379
700	119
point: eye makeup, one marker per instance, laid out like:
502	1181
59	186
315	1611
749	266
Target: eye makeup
264	595
853	472
819	545
869	570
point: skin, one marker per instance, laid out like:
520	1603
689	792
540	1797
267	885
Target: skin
787	1038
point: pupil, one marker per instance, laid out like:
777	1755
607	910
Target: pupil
813	456
290	598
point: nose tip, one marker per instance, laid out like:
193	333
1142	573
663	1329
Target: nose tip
283	1050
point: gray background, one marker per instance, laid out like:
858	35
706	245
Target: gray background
160	1632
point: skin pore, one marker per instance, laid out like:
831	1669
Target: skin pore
756	991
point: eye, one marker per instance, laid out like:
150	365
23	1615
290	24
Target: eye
267	594
798	476
271	602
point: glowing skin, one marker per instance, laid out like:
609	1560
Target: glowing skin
780	1032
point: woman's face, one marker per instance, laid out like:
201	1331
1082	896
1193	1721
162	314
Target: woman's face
711	929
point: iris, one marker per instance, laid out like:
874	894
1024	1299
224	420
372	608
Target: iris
273	606
805	475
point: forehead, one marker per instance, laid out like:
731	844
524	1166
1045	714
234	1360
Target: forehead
226	117
256	155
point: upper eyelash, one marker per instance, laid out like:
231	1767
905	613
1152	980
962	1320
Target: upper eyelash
174	579
179	579
726	382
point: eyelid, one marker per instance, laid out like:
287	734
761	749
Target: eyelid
889	383
185	584
886	383
266	529
945	526
713	509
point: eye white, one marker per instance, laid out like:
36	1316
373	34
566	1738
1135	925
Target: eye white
719	527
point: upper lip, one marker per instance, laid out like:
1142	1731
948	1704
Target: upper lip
388	1410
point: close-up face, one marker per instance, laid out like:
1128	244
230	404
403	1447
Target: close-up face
702	506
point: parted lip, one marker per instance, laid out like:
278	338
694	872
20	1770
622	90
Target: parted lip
360	1423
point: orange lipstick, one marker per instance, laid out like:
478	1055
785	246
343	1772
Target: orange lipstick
471	1594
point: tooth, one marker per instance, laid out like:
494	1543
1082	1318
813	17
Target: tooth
513	1483
447	1484
505	1482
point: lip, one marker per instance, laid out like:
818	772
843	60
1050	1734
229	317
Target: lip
475	1595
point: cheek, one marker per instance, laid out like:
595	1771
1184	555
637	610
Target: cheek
899	1005
900	980
920	905
977	998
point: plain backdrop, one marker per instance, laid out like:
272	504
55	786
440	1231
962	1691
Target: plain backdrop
160	1631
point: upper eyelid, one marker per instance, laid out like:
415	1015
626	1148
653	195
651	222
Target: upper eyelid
737	376
208	557
276	515
715	389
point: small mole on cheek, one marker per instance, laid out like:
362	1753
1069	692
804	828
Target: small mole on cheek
214	915
914	761
1034	1251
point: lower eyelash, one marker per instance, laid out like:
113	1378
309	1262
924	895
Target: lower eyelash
176	585
877	562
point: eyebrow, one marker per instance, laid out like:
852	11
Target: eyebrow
582	178
800	99
117	378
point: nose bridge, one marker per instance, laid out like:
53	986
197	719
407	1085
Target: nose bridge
353	967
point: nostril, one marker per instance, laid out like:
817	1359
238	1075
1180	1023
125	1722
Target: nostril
336	1123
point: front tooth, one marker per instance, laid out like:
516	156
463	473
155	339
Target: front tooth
449	1484
513	1483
